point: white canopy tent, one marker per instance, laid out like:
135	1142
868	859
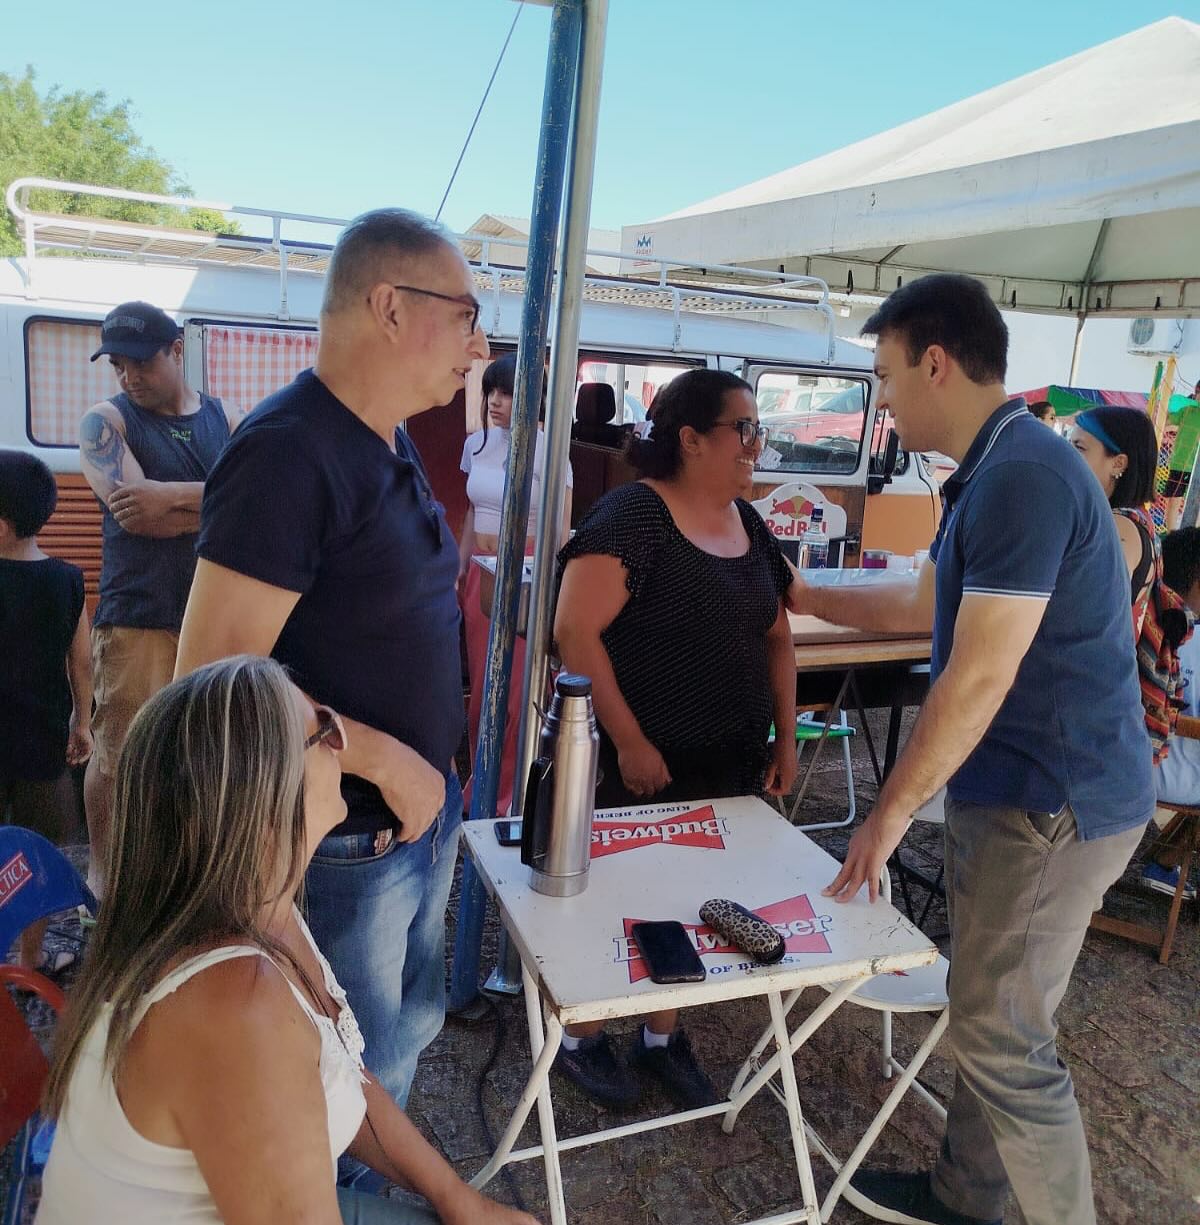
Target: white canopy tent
1072	190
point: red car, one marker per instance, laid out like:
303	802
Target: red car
837	423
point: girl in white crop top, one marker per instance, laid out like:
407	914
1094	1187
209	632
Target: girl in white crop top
485	461
210	1068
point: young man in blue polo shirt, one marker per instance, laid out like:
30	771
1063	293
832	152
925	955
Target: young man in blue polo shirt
321	545
1033	722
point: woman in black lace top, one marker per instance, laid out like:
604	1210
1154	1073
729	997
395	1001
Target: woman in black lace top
671	600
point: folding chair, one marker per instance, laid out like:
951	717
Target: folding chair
1161	938
1187	817
812	730
933	811
921	990
36	880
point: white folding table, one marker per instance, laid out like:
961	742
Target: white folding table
663	861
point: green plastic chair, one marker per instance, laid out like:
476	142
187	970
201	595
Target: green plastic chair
810	729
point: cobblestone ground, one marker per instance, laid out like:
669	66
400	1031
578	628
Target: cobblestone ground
1129	1031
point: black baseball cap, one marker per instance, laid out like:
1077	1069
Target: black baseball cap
137	330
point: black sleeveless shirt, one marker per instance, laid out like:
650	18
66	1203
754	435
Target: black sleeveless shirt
40	603
144	580
689	649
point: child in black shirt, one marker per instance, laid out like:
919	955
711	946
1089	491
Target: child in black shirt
45	667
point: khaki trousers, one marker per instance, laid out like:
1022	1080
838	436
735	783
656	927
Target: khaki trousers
1020	889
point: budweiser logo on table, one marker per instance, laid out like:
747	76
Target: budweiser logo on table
699	827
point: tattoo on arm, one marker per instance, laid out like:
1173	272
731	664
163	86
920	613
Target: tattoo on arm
102	447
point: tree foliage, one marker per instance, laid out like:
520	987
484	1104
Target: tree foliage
82	137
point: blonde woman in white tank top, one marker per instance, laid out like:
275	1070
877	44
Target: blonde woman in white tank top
210	1068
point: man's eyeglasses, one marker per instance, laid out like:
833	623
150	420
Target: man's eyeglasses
750	433
329	728
462	300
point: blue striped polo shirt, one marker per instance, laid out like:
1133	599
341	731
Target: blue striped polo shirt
1025	518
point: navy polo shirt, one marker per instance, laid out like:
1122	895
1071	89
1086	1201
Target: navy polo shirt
1025	518
308	498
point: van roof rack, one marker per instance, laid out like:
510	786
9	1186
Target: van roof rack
678	286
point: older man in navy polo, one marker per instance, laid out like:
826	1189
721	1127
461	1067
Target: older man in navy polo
1034	724
321	544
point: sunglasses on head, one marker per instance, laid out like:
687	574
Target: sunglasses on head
329	729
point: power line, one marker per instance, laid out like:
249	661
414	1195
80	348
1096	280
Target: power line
482	101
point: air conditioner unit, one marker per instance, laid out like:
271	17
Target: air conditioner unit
1150	335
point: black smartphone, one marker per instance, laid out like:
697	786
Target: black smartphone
508	833
668	952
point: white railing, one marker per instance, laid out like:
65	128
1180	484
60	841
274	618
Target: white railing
677	285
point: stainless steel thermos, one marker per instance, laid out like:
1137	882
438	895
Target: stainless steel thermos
560	797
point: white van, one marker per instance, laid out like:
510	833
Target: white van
248	305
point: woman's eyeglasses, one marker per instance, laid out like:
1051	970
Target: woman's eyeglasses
750	432
329	728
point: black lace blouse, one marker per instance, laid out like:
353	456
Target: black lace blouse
689	649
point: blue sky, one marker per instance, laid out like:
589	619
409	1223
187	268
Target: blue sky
332	108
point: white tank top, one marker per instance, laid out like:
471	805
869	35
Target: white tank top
104	1172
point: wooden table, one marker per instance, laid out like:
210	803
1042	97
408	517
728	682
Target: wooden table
836	665
821	646
663	861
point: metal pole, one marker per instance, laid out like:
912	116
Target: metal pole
561	80
1085	290
564	362
1077	348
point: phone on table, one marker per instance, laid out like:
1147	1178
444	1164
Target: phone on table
508	833
668	952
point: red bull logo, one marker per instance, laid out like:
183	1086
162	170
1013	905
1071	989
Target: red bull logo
802	929
793	508
700	827
14	875
790	516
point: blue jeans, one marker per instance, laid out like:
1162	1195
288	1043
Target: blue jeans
381	922
358	1209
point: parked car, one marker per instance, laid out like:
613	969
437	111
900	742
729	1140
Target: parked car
835	421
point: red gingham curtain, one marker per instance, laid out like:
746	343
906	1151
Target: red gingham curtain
63	384
243	365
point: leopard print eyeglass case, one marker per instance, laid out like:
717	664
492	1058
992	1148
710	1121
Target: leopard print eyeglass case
744	929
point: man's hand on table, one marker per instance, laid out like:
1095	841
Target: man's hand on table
870	848
411	787
781	769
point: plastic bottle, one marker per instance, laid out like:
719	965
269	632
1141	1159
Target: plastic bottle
813	545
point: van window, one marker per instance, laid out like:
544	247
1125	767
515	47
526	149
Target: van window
814	421
634	386
243	365
61	383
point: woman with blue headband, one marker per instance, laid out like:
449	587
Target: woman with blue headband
1120	447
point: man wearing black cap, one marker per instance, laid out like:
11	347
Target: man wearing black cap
146	453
